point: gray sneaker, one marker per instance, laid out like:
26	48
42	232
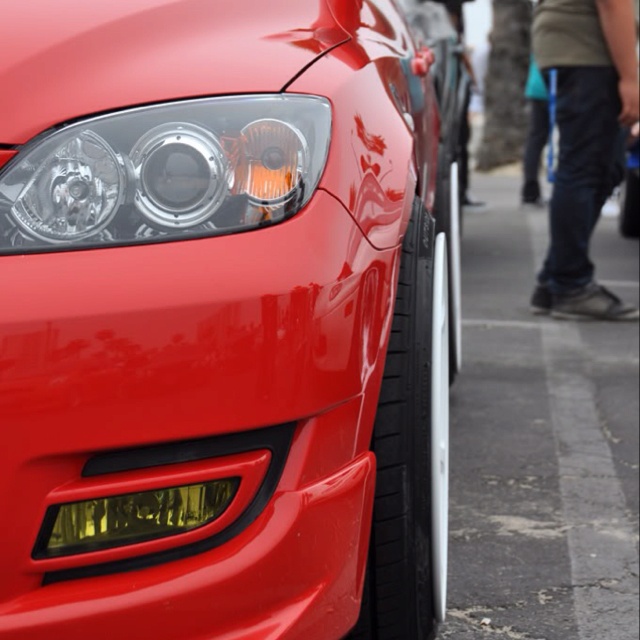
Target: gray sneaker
541	301
593	302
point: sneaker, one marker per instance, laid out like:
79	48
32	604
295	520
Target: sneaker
611	209
537	203
593	302
541	301
469	201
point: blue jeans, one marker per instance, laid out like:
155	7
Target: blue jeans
588	169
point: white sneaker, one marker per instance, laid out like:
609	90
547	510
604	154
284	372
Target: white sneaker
611	208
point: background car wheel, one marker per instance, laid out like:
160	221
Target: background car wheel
455	276
630	209
448	221
405	588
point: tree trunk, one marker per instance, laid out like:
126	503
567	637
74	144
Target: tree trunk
506	118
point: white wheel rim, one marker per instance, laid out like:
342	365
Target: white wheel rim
440	427
456	303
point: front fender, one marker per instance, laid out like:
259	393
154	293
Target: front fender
371	167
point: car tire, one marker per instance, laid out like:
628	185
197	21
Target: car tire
630	209
448	221
405	586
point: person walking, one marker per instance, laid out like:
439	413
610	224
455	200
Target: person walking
455	9
537	137
592	46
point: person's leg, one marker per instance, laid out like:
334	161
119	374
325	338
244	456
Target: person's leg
536	141
464	134
464	137
587	116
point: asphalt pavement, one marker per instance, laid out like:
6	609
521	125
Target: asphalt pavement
544	437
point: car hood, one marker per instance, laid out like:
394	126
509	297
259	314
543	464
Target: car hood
69	58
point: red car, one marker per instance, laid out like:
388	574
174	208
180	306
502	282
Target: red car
223	330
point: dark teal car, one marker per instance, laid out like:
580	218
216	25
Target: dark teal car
432	25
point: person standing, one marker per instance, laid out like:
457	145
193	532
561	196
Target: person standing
455	9
592	46
537	137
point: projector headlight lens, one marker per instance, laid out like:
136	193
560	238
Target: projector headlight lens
182	175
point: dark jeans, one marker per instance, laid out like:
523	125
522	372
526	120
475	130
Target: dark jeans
536	141
587	116
464	136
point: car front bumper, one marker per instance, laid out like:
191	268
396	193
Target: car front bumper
132	347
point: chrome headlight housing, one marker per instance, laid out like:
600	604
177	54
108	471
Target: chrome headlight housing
167	172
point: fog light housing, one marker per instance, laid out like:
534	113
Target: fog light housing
114	521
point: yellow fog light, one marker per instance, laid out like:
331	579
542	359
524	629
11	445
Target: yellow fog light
103	523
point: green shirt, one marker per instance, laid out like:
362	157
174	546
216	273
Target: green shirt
567	33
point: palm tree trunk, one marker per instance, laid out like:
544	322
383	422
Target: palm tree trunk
506	118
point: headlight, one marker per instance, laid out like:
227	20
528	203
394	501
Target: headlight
167	172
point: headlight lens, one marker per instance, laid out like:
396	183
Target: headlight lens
74	194
168	172
182	175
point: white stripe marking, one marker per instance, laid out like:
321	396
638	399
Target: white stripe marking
620	284
500	324
604	559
